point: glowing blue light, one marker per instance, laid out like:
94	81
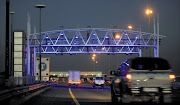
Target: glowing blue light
107	37
126	34
94	34
76	37
47	37
136	37
61	34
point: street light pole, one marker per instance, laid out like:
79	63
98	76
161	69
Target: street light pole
7	42
40	6
12	40
130	28
149	23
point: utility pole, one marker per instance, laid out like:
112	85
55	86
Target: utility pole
40	6
157	35
7	42
11	65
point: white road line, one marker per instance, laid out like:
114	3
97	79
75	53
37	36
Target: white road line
73	97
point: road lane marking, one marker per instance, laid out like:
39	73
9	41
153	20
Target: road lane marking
73	97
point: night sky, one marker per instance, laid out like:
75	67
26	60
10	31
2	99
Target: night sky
97	14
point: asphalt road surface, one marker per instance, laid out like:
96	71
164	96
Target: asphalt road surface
64	95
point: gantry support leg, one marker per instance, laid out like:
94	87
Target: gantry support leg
140	53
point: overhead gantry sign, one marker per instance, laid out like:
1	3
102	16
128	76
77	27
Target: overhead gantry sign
93	40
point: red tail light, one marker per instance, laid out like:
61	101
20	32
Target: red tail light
129	76
79	82
172	76
110	82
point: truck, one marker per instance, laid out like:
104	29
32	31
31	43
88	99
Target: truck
142	79
74	78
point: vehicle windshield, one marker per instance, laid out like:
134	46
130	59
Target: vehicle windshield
150	64
99	78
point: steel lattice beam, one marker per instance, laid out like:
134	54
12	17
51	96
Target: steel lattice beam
76	41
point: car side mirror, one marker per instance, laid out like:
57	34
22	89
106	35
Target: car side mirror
113	73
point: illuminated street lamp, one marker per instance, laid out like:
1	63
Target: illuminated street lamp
117	36
94	55
130	27
93	58
96	61
102	48
40	6
149	12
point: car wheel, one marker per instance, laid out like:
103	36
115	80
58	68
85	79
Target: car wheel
165	99
114	98
125	99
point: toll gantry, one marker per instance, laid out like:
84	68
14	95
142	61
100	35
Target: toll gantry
94	40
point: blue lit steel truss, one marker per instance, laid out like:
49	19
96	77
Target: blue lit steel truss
93	40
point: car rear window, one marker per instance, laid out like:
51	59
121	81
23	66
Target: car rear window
150	64
99	78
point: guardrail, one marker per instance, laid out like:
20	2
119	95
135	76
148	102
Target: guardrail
19	91
20	81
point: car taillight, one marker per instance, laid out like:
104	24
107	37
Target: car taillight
172	76
129	76
79	82
109	82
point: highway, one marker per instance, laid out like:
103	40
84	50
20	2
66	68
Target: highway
64	95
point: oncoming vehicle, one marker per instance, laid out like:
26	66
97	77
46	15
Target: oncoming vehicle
142	79
98	81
